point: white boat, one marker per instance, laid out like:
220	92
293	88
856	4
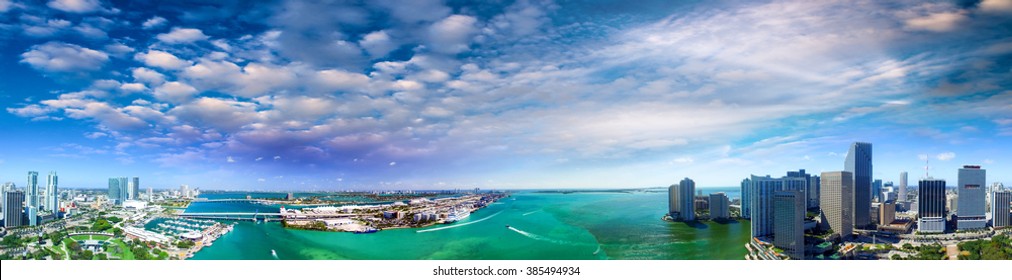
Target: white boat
457	215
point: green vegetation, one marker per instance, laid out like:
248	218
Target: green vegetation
101	225
14	241
314	225
185	244
926	252
998	248
115	219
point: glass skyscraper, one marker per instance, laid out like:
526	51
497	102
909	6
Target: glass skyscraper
789	222
114	192
681	198
13	216
931	205
32	197
52	194
972	193
746	198
859	164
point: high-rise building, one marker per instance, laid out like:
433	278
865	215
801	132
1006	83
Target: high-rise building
886	213
114	192
13	201
931	205
903	187
762	191
876	190
681	200
9	186
837	207
971	213
718	206
859	163
32	198
184	191
805	180
124	189
151	195
134	185
814	190
52	194
746	198
789	223
1000	213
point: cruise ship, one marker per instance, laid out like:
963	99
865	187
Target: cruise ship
457	215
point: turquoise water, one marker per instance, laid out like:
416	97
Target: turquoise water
542	226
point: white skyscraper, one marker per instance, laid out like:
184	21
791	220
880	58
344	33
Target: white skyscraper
903	187
52	194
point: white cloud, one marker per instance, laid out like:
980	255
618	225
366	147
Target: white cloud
37	27
182	36
221	114
133	87
30	111
63	57
5	5
452	34
175	92
937	22
90	32
161	59
377	43
75	6
154	22
333	79
999	6
118	49
683	160
946	156
259	159
229	159
392	163
148	76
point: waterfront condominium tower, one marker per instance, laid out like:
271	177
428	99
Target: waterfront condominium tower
681	200
931	205
837	193
1000	213
124	189
114	192
52	194
971	196
134	185
859	164
762	190
806	181
32	198
12	208
903	187
789	222
746	198
718	206
9	186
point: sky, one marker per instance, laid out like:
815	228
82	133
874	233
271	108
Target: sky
431	94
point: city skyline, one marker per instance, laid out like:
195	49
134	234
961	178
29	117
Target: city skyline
279	95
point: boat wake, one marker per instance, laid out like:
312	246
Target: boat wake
550	240
597	251
461	224
532	212
274	254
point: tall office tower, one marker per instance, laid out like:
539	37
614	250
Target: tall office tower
762	191
672	201
972	194
12	208
876	190
837	193
719	205
52	194
859	163
931	205
903	187
9	186
124	189
805	181
1000	213
135	186
32	198
684	199
886	213
746	198
151	195
814	190
789	223
114	192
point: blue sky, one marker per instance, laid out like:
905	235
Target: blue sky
507	94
